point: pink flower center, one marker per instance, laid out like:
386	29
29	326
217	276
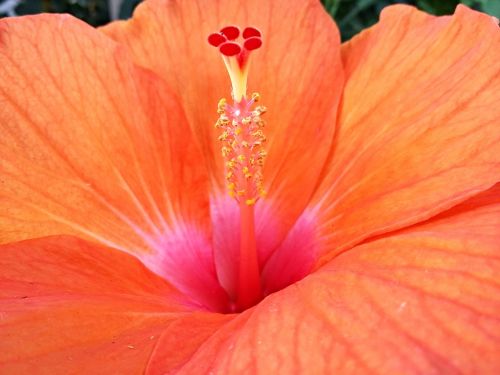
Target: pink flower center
245	258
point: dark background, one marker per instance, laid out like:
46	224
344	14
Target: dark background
351	15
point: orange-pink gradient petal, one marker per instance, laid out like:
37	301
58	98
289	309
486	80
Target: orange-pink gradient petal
297	71
90	144
70	307
418	129
424	301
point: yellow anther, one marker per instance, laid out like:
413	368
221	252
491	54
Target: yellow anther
258	133
223	136
241	138
221	106
261	109
250	202
222	121
258	121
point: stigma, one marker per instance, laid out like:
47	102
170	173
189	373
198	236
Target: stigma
236	55
240	122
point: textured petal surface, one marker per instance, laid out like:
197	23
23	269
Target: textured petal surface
418	129
69	307
297	72
424	301
94	146
90	144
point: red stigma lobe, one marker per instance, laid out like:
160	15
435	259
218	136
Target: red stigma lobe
251	32
230	32
252	43
216	39
230	49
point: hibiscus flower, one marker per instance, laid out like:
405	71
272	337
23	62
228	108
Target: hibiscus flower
375	249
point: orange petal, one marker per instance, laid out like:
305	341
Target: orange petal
91	145
297	72
181	339
418	129
71	307
425	301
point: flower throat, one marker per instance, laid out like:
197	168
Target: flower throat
242	141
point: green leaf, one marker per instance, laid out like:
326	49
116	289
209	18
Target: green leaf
491	7
127	8
438	7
